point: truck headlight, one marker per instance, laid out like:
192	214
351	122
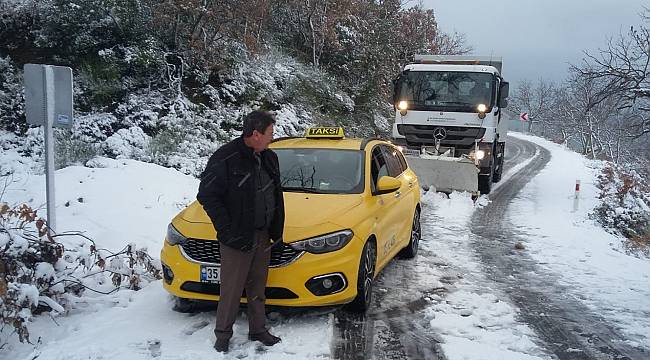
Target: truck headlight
174	237
480	154
482	108
324	243
403	107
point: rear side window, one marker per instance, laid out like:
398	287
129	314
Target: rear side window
402	161
395	166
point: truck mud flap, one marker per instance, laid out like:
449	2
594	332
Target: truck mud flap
445	174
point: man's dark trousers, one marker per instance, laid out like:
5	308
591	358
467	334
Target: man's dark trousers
239	270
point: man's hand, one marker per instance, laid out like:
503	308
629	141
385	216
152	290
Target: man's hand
277	244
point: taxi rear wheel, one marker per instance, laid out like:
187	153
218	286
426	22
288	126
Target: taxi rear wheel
361	302
411	249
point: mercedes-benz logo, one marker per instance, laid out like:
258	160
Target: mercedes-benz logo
439	133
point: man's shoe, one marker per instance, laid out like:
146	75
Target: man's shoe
221	345
265	338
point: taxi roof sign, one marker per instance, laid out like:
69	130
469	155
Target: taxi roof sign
325	133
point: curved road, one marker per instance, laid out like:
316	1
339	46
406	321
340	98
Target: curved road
395	329
569	329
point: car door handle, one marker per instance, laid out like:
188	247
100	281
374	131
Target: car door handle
411	184
398	194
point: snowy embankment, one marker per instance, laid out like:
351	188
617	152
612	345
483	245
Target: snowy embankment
123	201
564	240
117	202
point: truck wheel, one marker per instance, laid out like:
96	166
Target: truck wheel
361	302
411	249
485	184
485	181
497	174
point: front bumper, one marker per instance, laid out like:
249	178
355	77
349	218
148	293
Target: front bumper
287	285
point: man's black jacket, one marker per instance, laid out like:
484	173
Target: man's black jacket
227	193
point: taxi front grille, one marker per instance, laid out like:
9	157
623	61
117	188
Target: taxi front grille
215	289
207	251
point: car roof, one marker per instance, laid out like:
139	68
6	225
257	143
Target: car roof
322	143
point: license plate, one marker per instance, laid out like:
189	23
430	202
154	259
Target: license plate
210	274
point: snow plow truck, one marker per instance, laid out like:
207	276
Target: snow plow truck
448	121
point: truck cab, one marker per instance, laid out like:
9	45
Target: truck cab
452	105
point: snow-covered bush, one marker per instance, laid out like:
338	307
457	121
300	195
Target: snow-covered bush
127	143
625	206
71	150
40	272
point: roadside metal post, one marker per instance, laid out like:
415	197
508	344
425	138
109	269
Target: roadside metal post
48	103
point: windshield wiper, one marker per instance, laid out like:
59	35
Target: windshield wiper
455	103
301	189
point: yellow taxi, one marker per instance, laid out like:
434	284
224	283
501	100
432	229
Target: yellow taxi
351	206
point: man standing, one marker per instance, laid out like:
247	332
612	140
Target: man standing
241	193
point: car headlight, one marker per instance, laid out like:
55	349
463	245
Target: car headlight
324	243
174	237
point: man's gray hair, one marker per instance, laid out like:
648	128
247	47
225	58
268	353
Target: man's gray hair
257	120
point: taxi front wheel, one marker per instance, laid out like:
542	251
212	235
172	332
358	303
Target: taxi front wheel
411	249
183	305
361	302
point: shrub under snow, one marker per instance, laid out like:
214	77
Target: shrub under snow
625	206
40	272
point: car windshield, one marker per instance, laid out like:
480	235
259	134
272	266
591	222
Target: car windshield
327	171
446	91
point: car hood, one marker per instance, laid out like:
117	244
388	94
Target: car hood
307	210
305	214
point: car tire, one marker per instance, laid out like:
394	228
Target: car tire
411	250
183	305
365	279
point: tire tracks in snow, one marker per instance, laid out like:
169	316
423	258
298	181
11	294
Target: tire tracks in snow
394	328
569	329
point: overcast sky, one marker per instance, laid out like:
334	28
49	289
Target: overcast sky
537	38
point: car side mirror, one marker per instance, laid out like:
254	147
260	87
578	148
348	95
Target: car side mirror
387	184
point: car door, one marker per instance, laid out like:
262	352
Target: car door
404	198
386	216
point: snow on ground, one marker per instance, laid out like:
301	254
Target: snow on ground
116	202
141	325
474	320
563	238
123	201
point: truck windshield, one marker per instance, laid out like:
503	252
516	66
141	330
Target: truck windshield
325	171
446	91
